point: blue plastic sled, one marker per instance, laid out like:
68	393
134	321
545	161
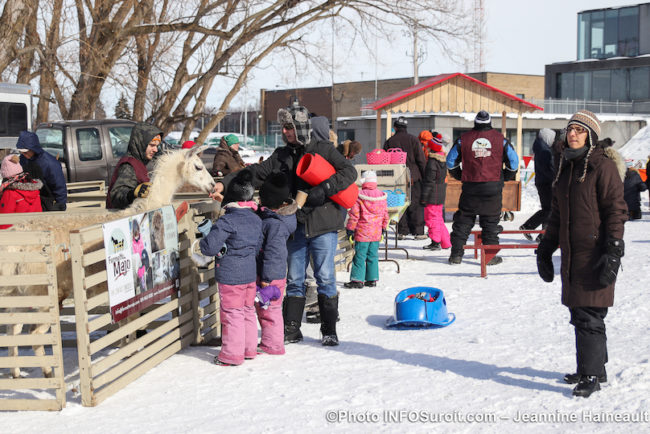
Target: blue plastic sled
420	306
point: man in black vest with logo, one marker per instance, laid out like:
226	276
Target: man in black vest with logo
487	160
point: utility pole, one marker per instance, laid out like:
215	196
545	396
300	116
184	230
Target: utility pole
416	79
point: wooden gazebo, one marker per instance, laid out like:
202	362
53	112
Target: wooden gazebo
454	93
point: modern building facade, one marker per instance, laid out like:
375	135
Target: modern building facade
611	73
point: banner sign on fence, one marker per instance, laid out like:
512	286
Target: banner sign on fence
142	261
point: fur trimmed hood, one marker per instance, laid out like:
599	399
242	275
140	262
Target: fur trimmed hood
22	184
612	154
438	156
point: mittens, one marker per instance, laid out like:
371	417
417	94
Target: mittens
266	294
142	190
545	260
205	226
610	262
349	233
316	197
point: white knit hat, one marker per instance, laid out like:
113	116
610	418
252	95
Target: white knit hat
369	176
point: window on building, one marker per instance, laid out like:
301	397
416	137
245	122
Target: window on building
582	85
628	31
640	83
597	35
619	90
583	36
601	84
611	33
565	84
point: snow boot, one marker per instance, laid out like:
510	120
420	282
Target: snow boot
529	237
353	284
329	311
587	385
575	378
495	261
432	246
421	237
292	309
312	314
370	283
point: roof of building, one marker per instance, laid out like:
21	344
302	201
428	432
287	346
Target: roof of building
452	92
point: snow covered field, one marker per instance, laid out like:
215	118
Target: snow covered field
500	364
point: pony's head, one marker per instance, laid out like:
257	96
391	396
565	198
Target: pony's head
191	170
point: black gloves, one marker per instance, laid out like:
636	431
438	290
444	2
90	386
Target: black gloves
610	261
316	197
545	259
349	233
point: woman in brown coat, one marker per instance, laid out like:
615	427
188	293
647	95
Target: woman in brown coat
227	158
587	218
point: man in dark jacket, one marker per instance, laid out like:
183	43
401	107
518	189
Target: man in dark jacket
413	219
41	165
483	153
544	176
318	220
130	177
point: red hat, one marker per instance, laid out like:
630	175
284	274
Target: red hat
188	144
435	144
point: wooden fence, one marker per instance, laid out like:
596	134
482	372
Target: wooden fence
26	259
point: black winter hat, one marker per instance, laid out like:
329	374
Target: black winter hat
400	122
483	118
275	190
240	188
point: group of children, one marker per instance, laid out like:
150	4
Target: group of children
253	265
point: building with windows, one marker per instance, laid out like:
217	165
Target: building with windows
612	70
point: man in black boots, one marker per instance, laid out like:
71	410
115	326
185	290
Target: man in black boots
487	160
319	220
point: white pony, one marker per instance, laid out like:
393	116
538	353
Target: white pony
173	170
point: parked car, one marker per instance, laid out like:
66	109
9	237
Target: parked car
87	150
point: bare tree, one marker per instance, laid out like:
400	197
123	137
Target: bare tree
168	56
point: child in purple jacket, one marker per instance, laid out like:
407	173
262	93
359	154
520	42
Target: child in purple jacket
367	220
240	229
278	214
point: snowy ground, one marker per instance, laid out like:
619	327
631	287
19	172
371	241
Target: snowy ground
501	361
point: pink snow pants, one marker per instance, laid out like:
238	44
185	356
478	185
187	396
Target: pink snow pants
437	230
272	323
238	325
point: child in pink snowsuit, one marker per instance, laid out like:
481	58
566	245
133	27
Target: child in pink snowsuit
367	219
240	229
434	189
278	214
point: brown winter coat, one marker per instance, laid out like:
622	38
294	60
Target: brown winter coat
583	216
226	160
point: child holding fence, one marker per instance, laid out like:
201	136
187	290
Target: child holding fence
434	189
367	220
278	214
240	230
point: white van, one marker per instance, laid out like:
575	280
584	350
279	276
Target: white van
15	112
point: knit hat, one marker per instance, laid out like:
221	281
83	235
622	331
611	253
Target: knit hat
425	136
588	120
188	144
296	117
483	117
231	139
369	176
240	188
275	190
10	166
400	122
436	143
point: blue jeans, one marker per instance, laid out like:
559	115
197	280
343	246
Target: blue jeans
322	249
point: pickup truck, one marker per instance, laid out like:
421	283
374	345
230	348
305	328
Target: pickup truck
88	150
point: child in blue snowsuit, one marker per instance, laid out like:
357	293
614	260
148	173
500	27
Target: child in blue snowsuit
278	213
240	229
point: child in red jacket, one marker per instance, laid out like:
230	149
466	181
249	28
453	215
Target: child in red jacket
18	191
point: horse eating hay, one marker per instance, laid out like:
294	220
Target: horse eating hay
173	170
